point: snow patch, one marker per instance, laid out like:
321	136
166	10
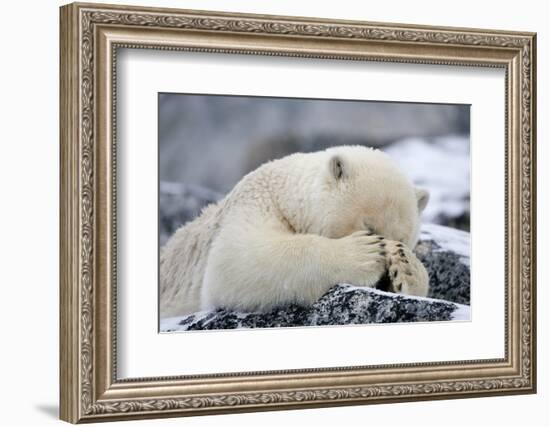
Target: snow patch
462	312
440	165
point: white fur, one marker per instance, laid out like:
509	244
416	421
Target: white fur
290	230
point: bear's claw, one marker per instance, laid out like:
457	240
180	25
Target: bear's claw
406	272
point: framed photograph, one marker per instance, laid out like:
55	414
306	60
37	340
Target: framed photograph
267	212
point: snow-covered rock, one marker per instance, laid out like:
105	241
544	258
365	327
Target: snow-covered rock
341	305
180	203
443	250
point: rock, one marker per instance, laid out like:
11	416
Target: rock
341	305
180	203
445	253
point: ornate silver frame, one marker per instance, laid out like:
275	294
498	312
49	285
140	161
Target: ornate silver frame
90	36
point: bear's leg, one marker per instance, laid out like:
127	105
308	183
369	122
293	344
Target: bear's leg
259	269
407	274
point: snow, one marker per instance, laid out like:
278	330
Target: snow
462	313
440	165
448	240
180	189
172	323
169	323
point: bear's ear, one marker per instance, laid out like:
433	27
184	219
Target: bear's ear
422	198
337	168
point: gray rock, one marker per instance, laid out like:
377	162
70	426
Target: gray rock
341	305
445	252
180	203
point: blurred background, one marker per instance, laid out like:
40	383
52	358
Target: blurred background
207	143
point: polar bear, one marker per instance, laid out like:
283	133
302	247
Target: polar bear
293	228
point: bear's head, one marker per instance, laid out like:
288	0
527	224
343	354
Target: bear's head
357	188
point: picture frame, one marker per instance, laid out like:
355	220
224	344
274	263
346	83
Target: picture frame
91	35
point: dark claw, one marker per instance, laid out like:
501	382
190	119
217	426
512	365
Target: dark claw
404	261
399	245
382	245
384	283
380	238
383	253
